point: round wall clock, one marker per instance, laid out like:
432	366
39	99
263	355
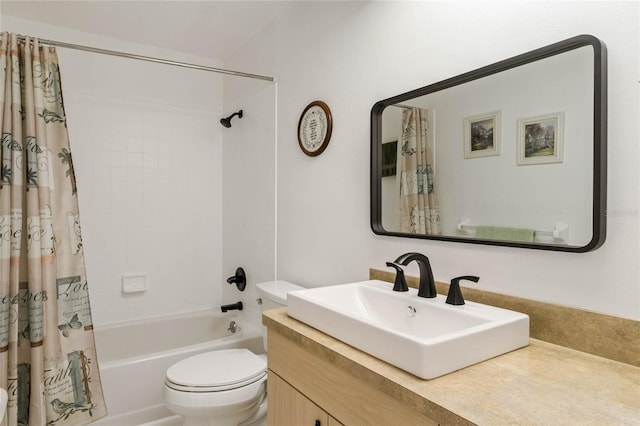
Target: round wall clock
314	128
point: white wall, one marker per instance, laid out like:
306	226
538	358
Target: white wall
147	151
390	185
249	201
349	54
352	54
494	190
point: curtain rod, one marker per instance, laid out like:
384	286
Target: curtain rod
149	59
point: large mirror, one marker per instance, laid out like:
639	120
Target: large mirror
511	154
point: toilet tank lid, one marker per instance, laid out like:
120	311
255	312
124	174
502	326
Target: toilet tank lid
276	290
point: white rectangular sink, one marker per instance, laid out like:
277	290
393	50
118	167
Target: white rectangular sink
425	337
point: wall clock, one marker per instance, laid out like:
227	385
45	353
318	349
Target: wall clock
314	128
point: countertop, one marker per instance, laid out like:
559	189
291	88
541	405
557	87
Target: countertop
540	384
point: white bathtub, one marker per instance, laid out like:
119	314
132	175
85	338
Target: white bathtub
134	356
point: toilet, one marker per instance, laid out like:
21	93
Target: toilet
226	387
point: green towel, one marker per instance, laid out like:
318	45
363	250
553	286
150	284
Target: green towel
505	234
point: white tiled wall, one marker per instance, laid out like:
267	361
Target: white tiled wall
147	150
150	192
249	189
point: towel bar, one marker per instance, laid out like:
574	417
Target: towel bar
560	233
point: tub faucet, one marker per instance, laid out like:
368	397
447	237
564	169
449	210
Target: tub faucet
232	307
427	283
239	279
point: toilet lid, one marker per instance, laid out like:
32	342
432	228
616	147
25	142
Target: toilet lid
217	370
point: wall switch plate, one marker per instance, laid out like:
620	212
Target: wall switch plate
134	283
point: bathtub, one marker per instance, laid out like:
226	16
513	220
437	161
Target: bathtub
133	357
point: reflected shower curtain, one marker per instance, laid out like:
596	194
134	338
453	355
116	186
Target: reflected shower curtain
47	350
418	202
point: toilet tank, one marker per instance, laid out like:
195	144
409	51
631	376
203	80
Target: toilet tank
273	294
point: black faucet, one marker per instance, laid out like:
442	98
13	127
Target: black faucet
427	283
455	294
239	279
400	283
231	307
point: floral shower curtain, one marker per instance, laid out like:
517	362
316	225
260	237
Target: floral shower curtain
419	212
47	350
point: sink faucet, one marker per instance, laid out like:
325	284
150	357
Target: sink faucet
427	283
400	283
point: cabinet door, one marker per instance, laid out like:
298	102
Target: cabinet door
334	422
289	407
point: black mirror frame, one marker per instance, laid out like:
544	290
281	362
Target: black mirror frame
599	141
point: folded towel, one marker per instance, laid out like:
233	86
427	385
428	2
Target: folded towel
505	234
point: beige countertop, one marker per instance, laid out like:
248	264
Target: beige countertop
540	384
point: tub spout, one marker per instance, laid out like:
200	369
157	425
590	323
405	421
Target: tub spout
232	307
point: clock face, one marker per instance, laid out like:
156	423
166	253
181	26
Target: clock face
314	128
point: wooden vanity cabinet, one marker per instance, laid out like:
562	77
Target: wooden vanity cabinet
287	406
303	388
324	376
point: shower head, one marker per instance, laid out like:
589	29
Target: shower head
226	122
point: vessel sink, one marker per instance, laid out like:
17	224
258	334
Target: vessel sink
426	337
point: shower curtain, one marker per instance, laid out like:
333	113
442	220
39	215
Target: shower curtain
47	351
419	212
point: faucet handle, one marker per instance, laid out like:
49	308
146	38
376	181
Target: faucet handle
455	294
400	283
239	279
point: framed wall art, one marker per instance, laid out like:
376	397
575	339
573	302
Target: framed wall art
482	135
540	139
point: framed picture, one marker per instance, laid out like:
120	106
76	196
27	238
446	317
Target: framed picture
482	135
540	139
389	158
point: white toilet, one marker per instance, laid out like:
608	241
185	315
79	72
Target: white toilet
226	387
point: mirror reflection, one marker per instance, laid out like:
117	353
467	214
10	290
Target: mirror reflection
512	154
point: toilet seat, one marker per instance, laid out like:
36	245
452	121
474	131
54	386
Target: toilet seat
216	371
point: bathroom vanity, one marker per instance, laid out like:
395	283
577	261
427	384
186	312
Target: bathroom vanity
314	377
